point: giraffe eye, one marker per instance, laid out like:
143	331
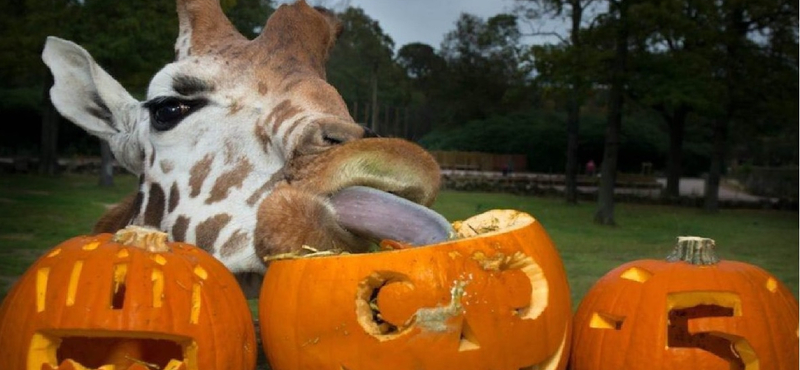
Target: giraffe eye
166	113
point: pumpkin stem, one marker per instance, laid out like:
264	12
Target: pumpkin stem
146	238
695	250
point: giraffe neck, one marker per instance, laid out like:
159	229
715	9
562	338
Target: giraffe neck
213	205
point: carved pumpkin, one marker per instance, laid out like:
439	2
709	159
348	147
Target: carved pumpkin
126	301
692	311
498	300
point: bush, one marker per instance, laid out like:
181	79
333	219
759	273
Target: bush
541	136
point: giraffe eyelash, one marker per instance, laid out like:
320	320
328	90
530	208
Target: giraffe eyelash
167	112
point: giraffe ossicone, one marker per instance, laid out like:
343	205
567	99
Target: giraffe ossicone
241	143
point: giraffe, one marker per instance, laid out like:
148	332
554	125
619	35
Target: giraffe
244	149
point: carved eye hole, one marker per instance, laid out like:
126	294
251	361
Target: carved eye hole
166	113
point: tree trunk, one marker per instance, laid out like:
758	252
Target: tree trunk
106	165
573	108
48	157
375	110
571	172
737	29
608	171
717	164
677	126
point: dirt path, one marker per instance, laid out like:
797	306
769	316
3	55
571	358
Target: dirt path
695	187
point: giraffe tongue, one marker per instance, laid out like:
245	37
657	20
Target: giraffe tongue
379	215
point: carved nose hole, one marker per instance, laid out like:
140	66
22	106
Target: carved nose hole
118	287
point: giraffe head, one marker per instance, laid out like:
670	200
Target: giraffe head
242	147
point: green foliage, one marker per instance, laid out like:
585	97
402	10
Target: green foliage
540	135
363	49
249	16
486	73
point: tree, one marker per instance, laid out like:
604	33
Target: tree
361	57
573	75
671	71
742	58
427	72
618	15
421	63
487	69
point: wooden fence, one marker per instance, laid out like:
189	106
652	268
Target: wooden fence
455	160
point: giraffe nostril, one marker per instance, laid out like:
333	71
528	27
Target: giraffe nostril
331	140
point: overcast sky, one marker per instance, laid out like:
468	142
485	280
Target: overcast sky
426	21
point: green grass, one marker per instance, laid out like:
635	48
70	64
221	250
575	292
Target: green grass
36	213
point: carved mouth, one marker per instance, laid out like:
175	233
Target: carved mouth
379	215
87	350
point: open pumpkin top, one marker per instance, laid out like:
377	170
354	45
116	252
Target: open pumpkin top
485	224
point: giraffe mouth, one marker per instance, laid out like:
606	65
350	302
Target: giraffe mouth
378	215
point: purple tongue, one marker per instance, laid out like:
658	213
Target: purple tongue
379	215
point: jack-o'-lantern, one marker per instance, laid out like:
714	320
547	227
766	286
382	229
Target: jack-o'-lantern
496	297
130	300
692	311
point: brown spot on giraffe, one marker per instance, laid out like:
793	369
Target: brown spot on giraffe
282	113
230	151
291	129
199	173
174	197
291	84
153	158
235	243
156	202
228	180
180	227
137	205
261	132
207	231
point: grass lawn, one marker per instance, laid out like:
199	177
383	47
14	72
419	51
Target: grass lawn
36	213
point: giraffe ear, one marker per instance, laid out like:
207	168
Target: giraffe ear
89	97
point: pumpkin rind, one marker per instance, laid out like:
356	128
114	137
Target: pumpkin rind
495	301
659	315
91	288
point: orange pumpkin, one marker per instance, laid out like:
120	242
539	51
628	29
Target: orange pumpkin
690	312
130	300
498	300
